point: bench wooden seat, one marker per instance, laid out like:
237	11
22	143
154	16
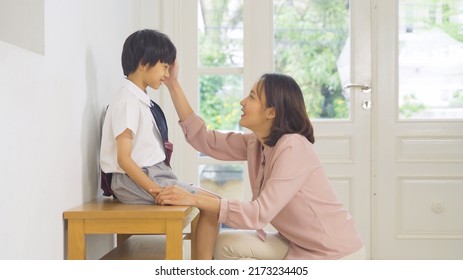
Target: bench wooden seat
109	216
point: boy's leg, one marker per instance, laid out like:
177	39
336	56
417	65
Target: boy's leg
207	227
127	191
206	232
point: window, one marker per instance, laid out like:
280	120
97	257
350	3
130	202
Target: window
311	44
431	59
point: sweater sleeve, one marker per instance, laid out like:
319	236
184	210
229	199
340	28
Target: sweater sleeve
222	146
292	165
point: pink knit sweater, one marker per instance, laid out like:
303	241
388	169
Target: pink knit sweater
290	191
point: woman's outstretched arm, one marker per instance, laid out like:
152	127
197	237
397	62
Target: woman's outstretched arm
182	106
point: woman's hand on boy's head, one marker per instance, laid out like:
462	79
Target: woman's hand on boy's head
173	74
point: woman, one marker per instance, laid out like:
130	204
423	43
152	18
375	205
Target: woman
290	189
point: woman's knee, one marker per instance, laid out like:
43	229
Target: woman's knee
224	246
244	244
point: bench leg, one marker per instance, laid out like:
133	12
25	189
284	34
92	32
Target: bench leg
194	223
174	239
76	240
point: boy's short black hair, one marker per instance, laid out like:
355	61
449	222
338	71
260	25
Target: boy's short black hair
146	46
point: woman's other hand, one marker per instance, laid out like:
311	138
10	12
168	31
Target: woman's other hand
173	195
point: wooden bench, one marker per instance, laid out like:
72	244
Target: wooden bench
108	216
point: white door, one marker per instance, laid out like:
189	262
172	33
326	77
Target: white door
325	46
343	142
418	130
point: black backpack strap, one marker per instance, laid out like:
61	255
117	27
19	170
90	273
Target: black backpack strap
105	183
105	178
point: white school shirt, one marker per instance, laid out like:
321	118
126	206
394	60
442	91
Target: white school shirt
130	109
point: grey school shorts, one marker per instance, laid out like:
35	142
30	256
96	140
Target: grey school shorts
127	191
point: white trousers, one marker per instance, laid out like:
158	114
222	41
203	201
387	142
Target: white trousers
245	244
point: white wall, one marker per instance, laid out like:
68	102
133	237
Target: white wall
29	34
50	108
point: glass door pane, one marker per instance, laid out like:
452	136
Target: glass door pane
220	33
223	179
220	53
219	101
431	59
311	44
220	40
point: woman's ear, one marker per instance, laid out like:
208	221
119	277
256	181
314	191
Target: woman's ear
271	113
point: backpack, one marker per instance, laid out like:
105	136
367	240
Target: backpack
158	114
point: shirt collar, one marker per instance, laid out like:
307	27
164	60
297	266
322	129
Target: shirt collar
143	96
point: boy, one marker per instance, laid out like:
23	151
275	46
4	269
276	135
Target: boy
132	148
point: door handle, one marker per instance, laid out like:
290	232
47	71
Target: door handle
364	87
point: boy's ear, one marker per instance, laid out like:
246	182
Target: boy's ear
143	67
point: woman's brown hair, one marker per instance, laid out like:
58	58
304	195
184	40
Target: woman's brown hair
285	96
